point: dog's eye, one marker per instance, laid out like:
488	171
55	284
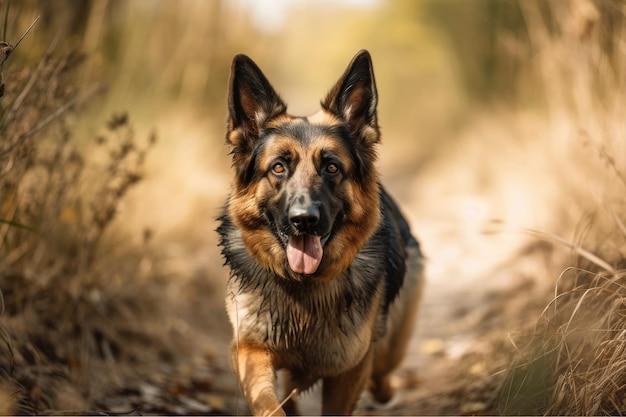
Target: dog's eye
332	168
278	168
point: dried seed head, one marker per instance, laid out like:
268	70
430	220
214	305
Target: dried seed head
5	51
117	121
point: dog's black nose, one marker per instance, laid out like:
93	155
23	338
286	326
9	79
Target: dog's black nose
304	218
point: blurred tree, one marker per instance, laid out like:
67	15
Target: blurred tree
488	39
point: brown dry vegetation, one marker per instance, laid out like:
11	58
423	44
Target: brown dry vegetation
503	139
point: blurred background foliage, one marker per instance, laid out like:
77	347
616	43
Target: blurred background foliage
437	62
433	59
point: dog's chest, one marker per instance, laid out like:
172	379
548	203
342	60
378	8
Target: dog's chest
326	328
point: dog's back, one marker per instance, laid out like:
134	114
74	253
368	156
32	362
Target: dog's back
391	348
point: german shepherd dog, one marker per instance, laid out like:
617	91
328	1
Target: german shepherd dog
325	275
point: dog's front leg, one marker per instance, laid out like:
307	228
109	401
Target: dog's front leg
257	378
340	393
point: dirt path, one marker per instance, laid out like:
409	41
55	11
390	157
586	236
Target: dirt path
469	300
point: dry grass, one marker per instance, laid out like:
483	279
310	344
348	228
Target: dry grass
572	361
587	327
70	314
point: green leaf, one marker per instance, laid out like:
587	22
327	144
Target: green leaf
19	225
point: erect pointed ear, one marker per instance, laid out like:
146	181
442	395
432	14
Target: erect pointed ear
251	103
354	98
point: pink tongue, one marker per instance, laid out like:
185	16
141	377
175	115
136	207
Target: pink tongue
304	253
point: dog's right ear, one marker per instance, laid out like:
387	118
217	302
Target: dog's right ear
251	103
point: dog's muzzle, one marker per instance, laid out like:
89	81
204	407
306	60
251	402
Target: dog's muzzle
304	248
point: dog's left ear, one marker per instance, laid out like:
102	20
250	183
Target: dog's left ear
354	99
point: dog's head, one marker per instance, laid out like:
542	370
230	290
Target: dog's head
306	194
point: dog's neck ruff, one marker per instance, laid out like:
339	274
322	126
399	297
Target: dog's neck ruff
293	308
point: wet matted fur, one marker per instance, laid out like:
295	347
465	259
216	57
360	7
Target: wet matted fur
326	277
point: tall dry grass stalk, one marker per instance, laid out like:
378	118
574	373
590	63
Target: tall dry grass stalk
573	362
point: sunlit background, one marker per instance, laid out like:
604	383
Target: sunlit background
502	127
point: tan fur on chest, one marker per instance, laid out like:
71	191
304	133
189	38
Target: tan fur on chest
317	333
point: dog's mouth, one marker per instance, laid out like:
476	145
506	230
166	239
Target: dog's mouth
304	246
304	253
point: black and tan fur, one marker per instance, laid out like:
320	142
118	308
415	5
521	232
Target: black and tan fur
343	313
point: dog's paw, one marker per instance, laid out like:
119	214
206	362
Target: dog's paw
275	412
381	390
269	409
